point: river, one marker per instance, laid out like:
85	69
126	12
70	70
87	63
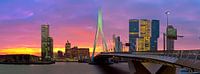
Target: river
65	68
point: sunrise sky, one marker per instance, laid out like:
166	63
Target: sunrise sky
75	20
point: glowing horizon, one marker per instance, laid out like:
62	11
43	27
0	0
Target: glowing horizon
36	51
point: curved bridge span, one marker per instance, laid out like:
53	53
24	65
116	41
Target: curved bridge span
189	59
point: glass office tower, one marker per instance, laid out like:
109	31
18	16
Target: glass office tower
143	35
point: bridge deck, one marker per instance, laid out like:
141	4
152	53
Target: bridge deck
190	59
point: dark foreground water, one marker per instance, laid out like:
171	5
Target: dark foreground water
65	68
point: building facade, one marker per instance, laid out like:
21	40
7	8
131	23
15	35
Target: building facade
171	36
143	35
19	58
155	32
60	54
78	53
46	44
83	53
133	34
67	47
118	47
50	47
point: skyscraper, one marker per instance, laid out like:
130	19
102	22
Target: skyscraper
143	35
155	30
46	44
171	36
133	34
50	47
67	47
117	44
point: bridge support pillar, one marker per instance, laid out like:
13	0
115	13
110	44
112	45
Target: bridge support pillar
165	69
136	67
131	67
152	67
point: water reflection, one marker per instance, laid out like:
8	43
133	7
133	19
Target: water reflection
64	68
109	69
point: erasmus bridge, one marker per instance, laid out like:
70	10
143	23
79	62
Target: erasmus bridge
163	62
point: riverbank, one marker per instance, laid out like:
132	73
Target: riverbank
29	63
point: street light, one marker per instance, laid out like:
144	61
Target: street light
164	41
164	34
167	13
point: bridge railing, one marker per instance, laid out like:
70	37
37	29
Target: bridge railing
180	54
186	58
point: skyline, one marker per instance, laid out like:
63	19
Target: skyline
76	21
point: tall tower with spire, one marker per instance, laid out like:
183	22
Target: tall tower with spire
99	30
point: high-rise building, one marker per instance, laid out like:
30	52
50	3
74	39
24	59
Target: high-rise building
155	30
171	36
67	47
50	47
143	35
117	44
46	44
133	34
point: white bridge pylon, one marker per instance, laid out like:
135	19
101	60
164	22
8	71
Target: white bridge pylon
99	30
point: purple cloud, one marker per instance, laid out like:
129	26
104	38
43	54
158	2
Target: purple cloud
71	19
